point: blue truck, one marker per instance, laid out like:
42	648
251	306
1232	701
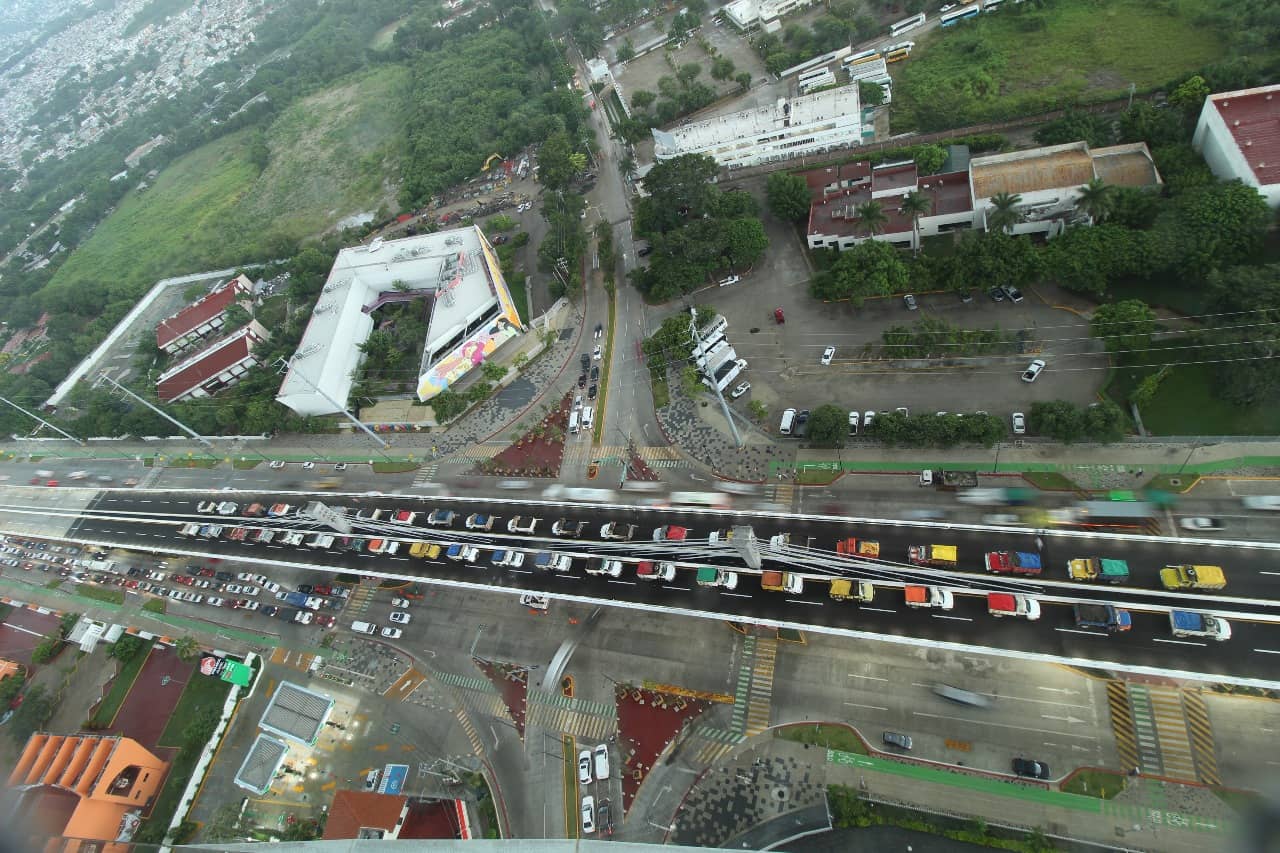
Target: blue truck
1104	616
297	599
1187	623
1013	562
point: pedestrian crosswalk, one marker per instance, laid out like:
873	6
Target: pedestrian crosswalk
717	743
782	493
571	702
580	717
1163	731
761	696
477	746
578	724
467	681
742	690
426	474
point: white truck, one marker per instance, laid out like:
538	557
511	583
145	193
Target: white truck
320	541
1011	604
1187	623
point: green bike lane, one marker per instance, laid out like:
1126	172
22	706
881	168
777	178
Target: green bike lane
1143	815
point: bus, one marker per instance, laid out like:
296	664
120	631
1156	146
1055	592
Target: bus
860	57
706	500
814	74
906	25
825	80
955	16
898	52
991	5
1117	515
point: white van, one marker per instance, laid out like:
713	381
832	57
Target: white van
363	627
588	416
788	418
573	422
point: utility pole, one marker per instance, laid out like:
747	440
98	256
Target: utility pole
711	380
42	421
284	364
103	377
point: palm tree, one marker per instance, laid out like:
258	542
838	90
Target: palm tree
187	647
1095	199
915	204
871	214
1004	214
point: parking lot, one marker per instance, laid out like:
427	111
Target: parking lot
784	358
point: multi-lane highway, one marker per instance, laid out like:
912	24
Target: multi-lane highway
151	521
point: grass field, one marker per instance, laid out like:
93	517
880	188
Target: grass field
1102	784
1023	61
333	154
828	736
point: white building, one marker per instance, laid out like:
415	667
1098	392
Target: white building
1239	135
788	128
745	14
471	314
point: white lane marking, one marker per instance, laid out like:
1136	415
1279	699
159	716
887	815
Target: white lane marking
1086	633
868	677
1268	651
625	583
680	588
802	601
871	707
1055	732
1179	642
953	618
878	609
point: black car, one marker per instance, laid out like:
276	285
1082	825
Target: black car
604	819
586	361
966	296
595	373
286	614
134	571
271	610
306	588
591	392
1030	769
897	739
582	380
644	251
996	294
224	576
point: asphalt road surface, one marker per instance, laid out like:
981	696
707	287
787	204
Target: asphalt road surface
150	521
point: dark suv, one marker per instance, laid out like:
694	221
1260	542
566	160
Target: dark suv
1031	769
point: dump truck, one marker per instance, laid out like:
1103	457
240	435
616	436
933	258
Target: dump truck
1186	623
859	591
950	480
1097	568
650	571
479	521
709	576
1009	604
551	561
1013	562
932	555
782	582
858	548
1104	616
929	596
1192	577
424	550
384	546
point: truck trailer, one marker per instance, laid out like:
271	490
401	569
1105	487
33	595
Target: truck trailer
1013	562
858	548
1009	604
1187	623
1104	616
932	555
1096	568
782	582
929	596
860	591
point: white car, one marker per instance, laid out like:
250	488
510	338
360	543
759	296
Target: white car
400	617
1033	370
249	605
307	466
392	633
1200	522
244	576
522	524
304	617
271	586
535	602
276	463
584	767
868	418
602	762
828	354
588	815
399	602
612	568
233	589
1270	502
740	390
854	419
249	590
206	507
214	601
596	353
1019	423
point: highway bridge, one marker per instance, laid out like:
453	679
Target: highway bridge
150	521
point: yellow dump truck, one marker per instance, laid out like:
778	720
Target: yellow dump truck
1192	577
424	550
853	547
845	590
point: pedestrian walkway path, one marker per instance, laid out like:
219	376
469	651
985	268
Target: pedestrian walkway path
590	726
761	697
1163	731
1171	726
572	703
742	692
1122	725
1202	743
477	746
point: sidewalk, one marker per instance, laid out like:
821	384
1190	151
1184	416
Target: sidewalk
1149	814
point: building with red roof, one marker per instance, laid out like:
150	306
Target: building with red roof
1239	135
216	366
203	317
369	815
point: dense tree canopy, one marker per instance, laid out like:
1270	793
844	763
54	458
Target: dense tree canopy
1124	326
871	268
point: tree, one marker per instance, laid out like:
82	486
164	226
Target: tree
1074	126
1252	375
872	217
236	316
187	647
691	382
828	426
743	79
745	242
870	94
1213	228
759	411
787	196
46	650
688	72
1094	199
228	823
916	204
1124	326
1189	96
678	188
722	68
1003	213
36	709
127	647
995	258
627	52
1089	259
492	371
556	164
642	99
1065	421
871	268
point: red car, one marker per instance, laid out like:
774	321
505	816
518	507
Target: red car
779	316
205	572
325	620
323	589
52	483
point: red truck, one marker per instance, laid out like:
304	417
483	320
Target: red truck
1013	562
